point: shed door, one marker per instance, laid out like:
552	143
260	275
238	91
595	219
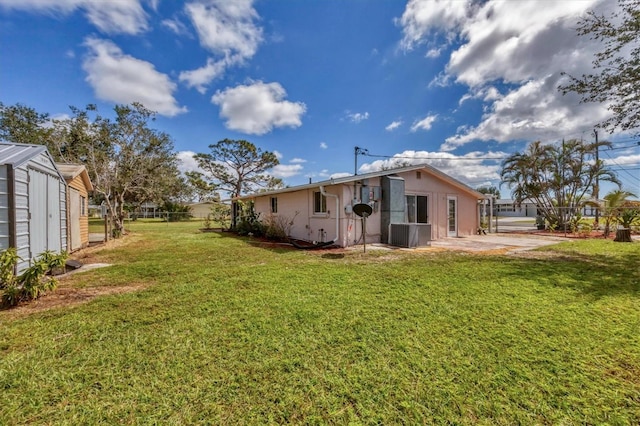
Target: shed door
54	226
74	218
44	213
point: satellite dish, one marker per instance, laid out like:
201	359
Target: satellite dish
362	210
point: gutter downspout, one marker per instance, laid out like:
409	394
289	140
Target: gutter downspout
326	194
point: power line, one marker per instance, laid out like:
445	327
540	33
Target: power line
621	168
435	158
637	145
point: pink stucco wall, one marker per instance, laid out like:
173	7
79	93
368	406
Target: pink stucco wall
297	206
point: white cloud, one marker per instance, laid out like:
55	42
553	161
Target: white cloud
339	175
298	160
186	162
121	78
473	168
533	111
424	124
228	30
257	108
175	26
623	160
357	117
488	93
433	53
122	16
286	170
323	145
278	154
226	26
201	77
394	125
423	17
517	43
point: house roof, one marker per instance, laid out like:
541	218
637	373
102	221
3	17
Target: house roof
71	171
355	178
17	154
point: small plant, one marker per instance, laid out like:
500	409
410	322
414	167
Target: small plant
585	229
206	222
628	217
221	214
33	282
249	221
278	227
574	223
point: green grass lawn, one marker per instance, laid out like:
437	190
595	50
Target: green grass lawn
230	331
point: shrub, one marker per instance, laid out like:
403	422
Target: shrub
249	221
220	214
34	280
278	227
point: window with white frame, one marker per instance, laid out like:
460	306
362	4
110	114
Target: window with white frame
274	204
319	203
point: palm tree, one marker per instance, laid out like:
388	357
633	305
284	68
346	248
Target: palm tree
556	177
614	208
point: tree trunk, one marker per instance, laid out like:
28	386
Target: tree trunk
623	235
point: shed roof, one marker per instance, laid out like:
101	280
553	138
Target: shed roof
71	171
355	178
17	154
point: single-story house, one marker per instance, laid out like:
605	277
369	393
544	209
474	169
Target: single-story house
529	208
33	202
202	209
419	194
510	208
79	185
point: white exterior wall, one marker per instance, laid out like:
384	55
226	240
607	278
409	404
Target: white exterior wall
438	191
52	195
298	206
4	207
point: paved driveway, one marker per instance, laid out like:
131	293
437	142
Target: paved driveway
490	242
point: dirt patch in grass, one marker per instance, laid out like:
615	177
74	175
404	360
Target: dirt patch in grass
64	297
91	254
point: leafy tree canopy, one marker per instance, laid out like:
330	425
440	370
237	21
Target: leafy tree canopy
22	124
127	160
616	74
239	167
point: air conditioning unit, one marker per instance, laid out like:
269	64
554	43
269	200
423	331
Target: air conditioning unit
409	234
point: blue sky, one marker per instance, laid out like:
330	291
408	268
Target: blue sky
458	84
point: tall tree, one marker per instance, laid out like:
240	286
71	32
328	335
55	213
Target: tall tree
127	160
489	190
555	177
22	124
131	161
616	74
239	167
200	188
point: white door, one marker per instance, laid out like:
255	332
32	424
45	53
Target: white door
452	217
54	223
74	218
38	214
44	213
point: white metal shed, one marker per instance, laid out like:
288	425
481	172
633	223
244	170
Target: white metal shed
33	207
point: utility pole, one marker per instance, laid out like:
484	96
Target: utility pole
358	151
596	186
